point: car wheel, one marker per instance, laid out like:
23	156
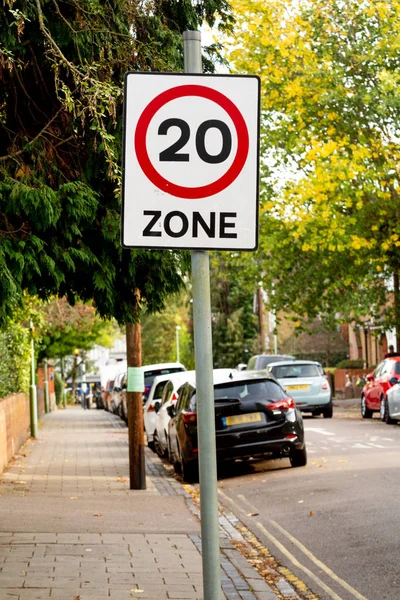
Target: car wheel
157	446
189	469
382	409
366	413
328	412
298	457
151	446
387	418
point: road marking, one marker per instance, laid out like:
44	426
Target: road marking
359	445
332	594
286	552
319	430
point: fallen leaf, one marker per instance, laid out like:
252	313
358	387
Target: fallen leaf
97	515
73	497
21	482
311	513
301	501
252	514
77	598
122	479
88	549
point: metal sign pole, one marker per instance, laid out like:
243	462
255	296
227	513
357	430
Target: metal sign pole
204	386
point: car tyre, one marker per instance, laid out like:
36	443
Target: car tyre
366	413
157	446
298	457
386	417
328	412
151	446
188	469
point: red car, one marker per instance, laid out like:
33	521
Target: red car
373	398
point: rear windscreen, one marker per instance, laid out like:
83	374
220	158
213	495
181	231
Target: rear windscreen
263	361
249	391
295	370
149	375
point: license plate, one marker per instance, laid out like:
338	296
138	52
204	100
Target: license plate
302	386
239	419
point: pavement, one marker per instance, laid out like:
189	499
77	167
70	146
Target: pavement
70	528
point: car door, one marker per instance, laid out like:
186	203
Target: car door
182	394
371	390
162	415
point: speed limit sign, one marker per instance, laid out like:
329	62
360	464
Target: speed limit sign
191	160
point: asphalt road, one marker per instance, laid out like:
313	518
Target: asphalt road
334	523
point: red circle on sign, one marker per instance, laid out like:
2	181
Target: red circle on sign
191	193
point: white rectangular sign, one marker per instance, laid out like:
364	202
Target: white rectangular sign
191	161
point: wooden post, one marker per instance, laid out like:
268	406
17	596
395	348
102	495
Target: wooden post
137	472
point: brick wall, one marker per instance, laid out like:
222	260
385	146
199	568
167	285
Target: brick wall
14	426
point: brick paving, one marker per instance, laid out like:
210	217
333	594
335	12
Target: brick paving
82	455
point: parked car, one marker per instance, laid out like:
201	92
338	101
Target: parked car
254	417
305	381
374	397
260	361
118	393
149	410
169	398
150	372
106	394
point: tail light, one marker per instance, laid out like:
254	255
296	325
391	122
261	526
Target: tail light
151	408
174	398
325	386
285	404
146	390
189	417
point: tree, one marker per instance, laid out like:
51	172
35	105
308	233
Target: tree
159	333
61	71
66	328
330	232
235	331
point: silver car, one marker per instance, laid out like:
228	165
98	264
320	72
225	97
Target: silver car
305	382
390	410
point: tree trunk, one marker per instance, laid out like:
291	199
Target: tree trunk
137	472
396	299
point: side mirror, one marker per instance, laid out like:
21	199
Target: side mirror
369	377
394	380
157	405
171	410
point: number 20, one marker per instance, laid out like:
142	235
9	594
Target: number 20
170	154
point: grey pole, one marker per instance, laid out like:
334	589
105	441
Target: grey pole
204	386
177	330
46	388
32	389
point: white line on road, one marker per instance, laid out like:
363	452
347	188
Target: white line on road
319	430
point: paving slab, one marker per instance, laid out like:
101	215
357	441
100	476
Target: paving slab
71	528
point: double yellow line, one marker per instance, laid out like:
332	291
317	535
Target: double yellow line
321	566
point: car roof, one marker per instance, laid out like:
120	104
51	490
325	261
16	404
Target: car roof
283	363
221	376
162	366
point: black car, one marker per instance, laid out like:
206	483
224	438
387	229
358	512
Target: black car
254	417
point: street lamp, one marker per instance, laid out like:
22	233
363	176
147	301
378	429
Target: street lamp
177	330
